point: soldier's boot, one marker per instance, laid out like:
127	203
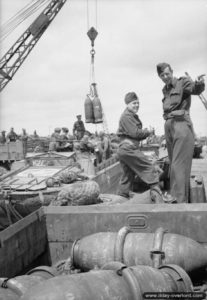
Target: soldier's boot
156	194
169	198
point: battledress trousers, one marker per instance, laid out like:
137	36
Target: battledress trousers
179	133
133	161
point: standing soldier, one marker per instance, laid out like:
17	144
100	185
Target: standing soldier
78	128
132	160
105	146
179	132
12	136
35	135
3	137
24	138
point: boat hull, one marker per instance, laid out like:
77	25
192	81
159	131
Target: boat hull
46	236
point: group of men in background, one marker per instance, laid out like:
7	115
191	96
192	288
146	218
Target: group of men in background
12	136
78	133
99	143
62	140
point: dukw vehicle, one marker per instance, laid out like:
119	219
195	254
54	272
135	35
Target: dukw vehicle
43	172
41	179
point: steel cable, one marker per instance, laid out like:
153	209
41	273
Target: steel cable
8	27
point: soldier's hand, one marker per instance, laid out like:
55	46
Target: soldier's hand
200	78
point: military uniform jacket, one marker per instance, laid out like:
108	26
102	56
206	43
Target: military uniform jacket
177	96
130	127
12	136
79	126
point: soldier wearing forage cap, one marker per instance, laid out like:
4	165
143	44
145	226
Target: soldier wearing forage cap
78	128
132	160
3	137
12	136
55	140
24	138
104	146
64	135
66	140
178	127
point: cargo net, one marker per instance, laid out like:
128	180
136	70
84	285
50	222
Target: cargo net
78	193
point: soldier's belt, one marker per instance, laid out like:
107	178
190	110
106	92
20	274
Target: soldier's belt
129	142
176	114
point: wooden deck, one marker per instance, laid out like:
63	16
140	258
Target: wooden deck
199	167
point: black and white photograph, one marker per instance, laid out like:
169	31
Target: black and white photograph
103	149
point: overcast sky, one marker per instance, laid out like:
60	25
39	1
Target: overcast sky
50	87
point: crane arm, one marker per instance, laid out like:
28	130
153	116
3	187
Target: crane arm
15	56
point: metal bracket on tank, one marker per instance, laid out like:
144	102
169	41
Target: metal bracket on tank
157	255
128	275
178	274
3	282
44	269
73	252
131	280
119	243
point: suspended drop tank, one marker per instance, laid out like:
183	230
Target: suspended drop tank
136	248
97	109
89	114
114	281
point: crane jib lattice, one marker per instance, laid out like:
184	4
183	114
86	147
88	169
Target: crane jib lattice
13	59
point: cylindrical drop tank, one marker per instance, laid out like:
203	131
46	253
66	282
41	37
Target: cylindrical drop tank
117	282
97	109
131	248
89	114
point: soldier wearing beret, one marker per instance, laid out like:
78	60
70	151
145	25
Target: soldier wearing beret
132	160
179	132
